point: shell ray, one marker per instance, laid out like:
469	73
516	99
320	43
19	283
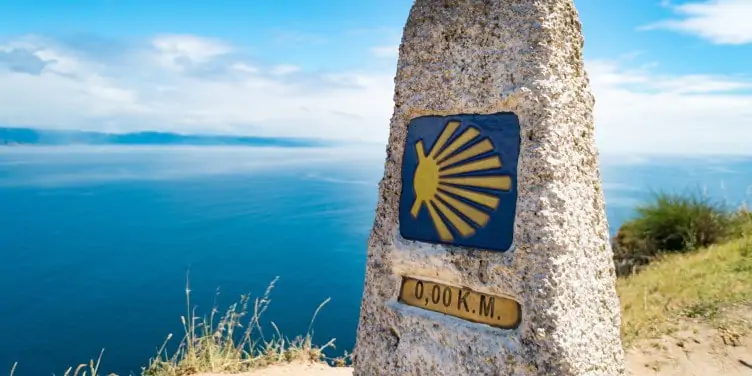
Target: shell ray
486	163
471	152
455	220
438	222
448	131
477	216
480	198
500	182
464	138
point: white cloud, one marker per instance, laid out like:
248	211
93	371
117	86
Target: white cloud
641	112
281	70
637	111
203	92
385	51
67	90
719	21
244	67
174	51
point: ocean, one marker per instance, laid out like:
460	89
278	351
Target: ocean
96	243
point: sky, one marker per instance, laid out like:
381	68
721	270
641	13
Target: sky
668	76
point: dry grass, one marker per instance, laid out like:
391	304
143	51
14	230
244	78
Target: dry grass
90	369
699	285
231	342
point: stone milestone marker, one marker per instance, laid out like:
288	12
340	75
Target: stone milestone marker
490	250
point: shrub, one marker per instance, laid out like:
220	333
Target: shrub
670	223
741	223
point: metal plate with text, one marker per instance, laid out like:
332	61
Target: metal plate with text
460	302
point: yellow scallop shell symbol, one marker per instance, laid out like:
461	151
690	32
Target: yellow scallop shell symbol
438	186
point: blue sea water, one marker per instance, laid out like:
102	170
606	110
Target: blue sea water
95	242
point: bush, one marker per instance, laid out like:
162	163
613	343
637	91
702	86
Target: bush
741	223
670	223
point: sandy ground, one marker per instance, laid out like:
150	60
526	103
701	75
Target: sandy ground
692	354
702	351
684	354
294	370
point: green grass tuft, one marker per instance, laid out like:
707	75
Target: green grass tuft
674	223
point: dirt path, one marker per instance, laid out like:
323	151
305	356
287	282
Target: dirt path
294	370
692	354
684	354
702	351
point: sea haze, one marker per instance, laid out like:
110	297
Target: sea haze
28	136
95	241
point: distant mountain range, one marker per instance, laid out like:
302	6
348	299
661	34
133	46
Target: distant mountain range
28	136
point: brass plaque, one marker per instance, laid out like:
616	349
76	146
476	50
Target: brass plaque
460	302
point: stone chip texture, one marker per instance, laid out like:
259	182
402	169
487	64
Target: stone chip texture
487	56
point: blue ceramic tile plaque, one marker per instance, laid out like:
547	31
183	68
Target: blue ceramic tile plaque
459	180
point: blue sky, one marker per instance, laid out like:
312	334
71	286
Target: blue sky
670	76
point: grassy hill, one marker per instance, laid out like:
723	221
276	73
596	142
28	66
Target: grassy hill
698	285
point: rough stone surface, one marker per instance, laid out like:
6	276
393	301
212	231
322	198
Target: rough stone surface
487	56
